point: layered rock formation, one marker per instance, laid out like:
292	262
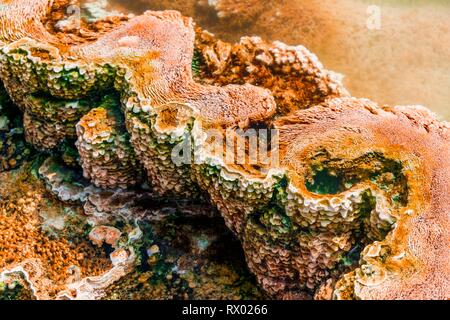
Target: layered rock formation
351	199
13	148
111	244
106	154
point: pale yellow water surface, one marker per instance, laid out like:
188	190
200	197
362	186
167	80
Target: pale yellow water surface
395	53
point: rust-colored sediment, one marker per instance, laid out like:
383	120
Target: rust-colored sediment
49	260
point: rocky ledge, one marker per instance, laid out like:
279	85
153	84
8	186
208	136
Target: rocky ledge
349	199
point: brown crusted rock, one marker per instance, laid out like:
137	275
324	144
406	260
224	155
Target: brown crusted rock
350	144
106	154
294	75
23	18
354	192
104	234
152	97
351	176
45	135
151	70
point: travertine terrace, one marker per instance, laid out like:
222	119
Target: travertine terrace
357	205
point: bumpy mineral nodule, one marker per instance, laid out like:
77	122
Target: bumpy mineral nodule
354	179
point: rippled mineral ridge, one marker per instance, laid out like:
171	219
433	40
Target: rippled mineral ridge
356	208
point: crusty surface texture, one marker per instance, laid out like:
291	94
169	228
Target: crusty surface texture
418	264
350	172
